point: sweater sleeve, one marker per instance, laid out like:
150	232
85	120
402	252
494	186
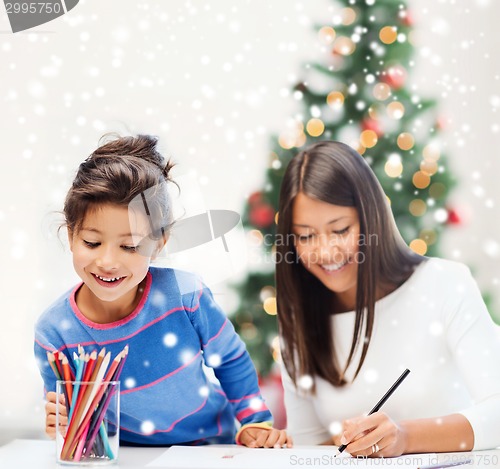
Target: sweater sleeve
474	340
226	354
302	419
44	344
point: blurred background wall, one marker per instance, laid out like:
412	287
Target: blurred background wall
212	79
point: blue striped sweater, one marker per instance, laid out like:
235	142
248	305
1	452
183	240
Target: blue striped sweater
176	333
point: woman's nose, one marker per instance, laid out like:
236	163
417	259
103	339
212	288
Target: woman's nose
327	248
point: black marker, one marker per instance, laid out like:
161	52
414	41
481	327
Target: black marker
386	396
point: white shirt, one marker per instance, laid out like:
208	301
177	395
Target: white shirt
437	325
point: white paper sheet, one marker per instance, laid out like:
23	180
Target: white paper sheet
239	457
28	454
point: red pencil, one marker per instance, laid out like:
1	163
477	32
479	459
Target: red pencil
57	362
51	359
67	377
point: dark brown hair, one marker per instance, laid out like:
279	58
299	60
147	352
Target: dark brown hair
121	171
333	172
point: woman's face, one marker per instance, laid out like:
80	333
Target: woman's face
326	238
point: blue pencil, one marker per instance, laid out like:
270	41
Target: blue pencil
79	371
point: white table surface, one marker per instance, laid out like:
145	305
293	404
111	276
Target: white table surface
40	454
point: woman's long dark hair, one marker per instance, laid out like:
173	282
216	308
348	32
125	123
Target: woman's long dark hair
333	172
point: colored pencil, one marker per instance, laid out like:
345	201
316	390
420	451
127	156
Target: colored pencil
83	404
67	377
88	396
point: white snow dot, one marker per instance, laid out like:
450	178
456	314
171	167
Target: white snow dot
305	382
147	427
186	356
256	403
441	215
204	391
335	428
214	360
436	328
170	339
353	88
158	298
491	248
315	111
371	375
130	383
370	78
93	71
65	325
146	363
360	105
120	34
36	89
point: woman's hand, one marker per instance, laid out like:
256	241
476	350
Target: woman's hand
255	437
50	415
375	435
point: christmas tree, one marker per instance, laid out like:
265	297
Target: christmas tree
361	96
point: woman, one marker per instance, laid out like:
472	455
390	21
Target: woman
356	307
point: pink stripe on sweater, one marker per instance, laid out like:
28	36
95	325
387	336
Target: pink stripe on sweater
169	429
145	386
218	333
248	411
257	394
121	339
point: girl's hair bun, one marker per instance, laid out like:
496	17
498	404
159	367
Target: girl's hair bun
121	171
140	146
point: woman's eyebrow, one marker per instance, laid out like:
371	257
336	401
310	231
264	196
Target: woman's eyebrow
327	223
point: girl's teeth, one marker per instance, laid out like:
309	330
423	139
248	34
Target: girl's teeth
108	279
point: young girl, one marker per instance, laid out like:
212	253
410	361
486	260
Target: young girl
118	216
356	307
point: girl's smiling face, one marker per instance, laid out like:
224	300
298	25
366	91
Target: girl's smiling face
106	257
326	240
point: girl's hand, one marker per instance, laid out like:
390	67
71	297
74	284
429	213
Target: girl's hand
375	435
50	415
254	437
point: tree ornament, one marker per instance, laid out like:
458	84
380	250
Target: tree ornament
372	124
395	76
407	18
454	217
262	215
